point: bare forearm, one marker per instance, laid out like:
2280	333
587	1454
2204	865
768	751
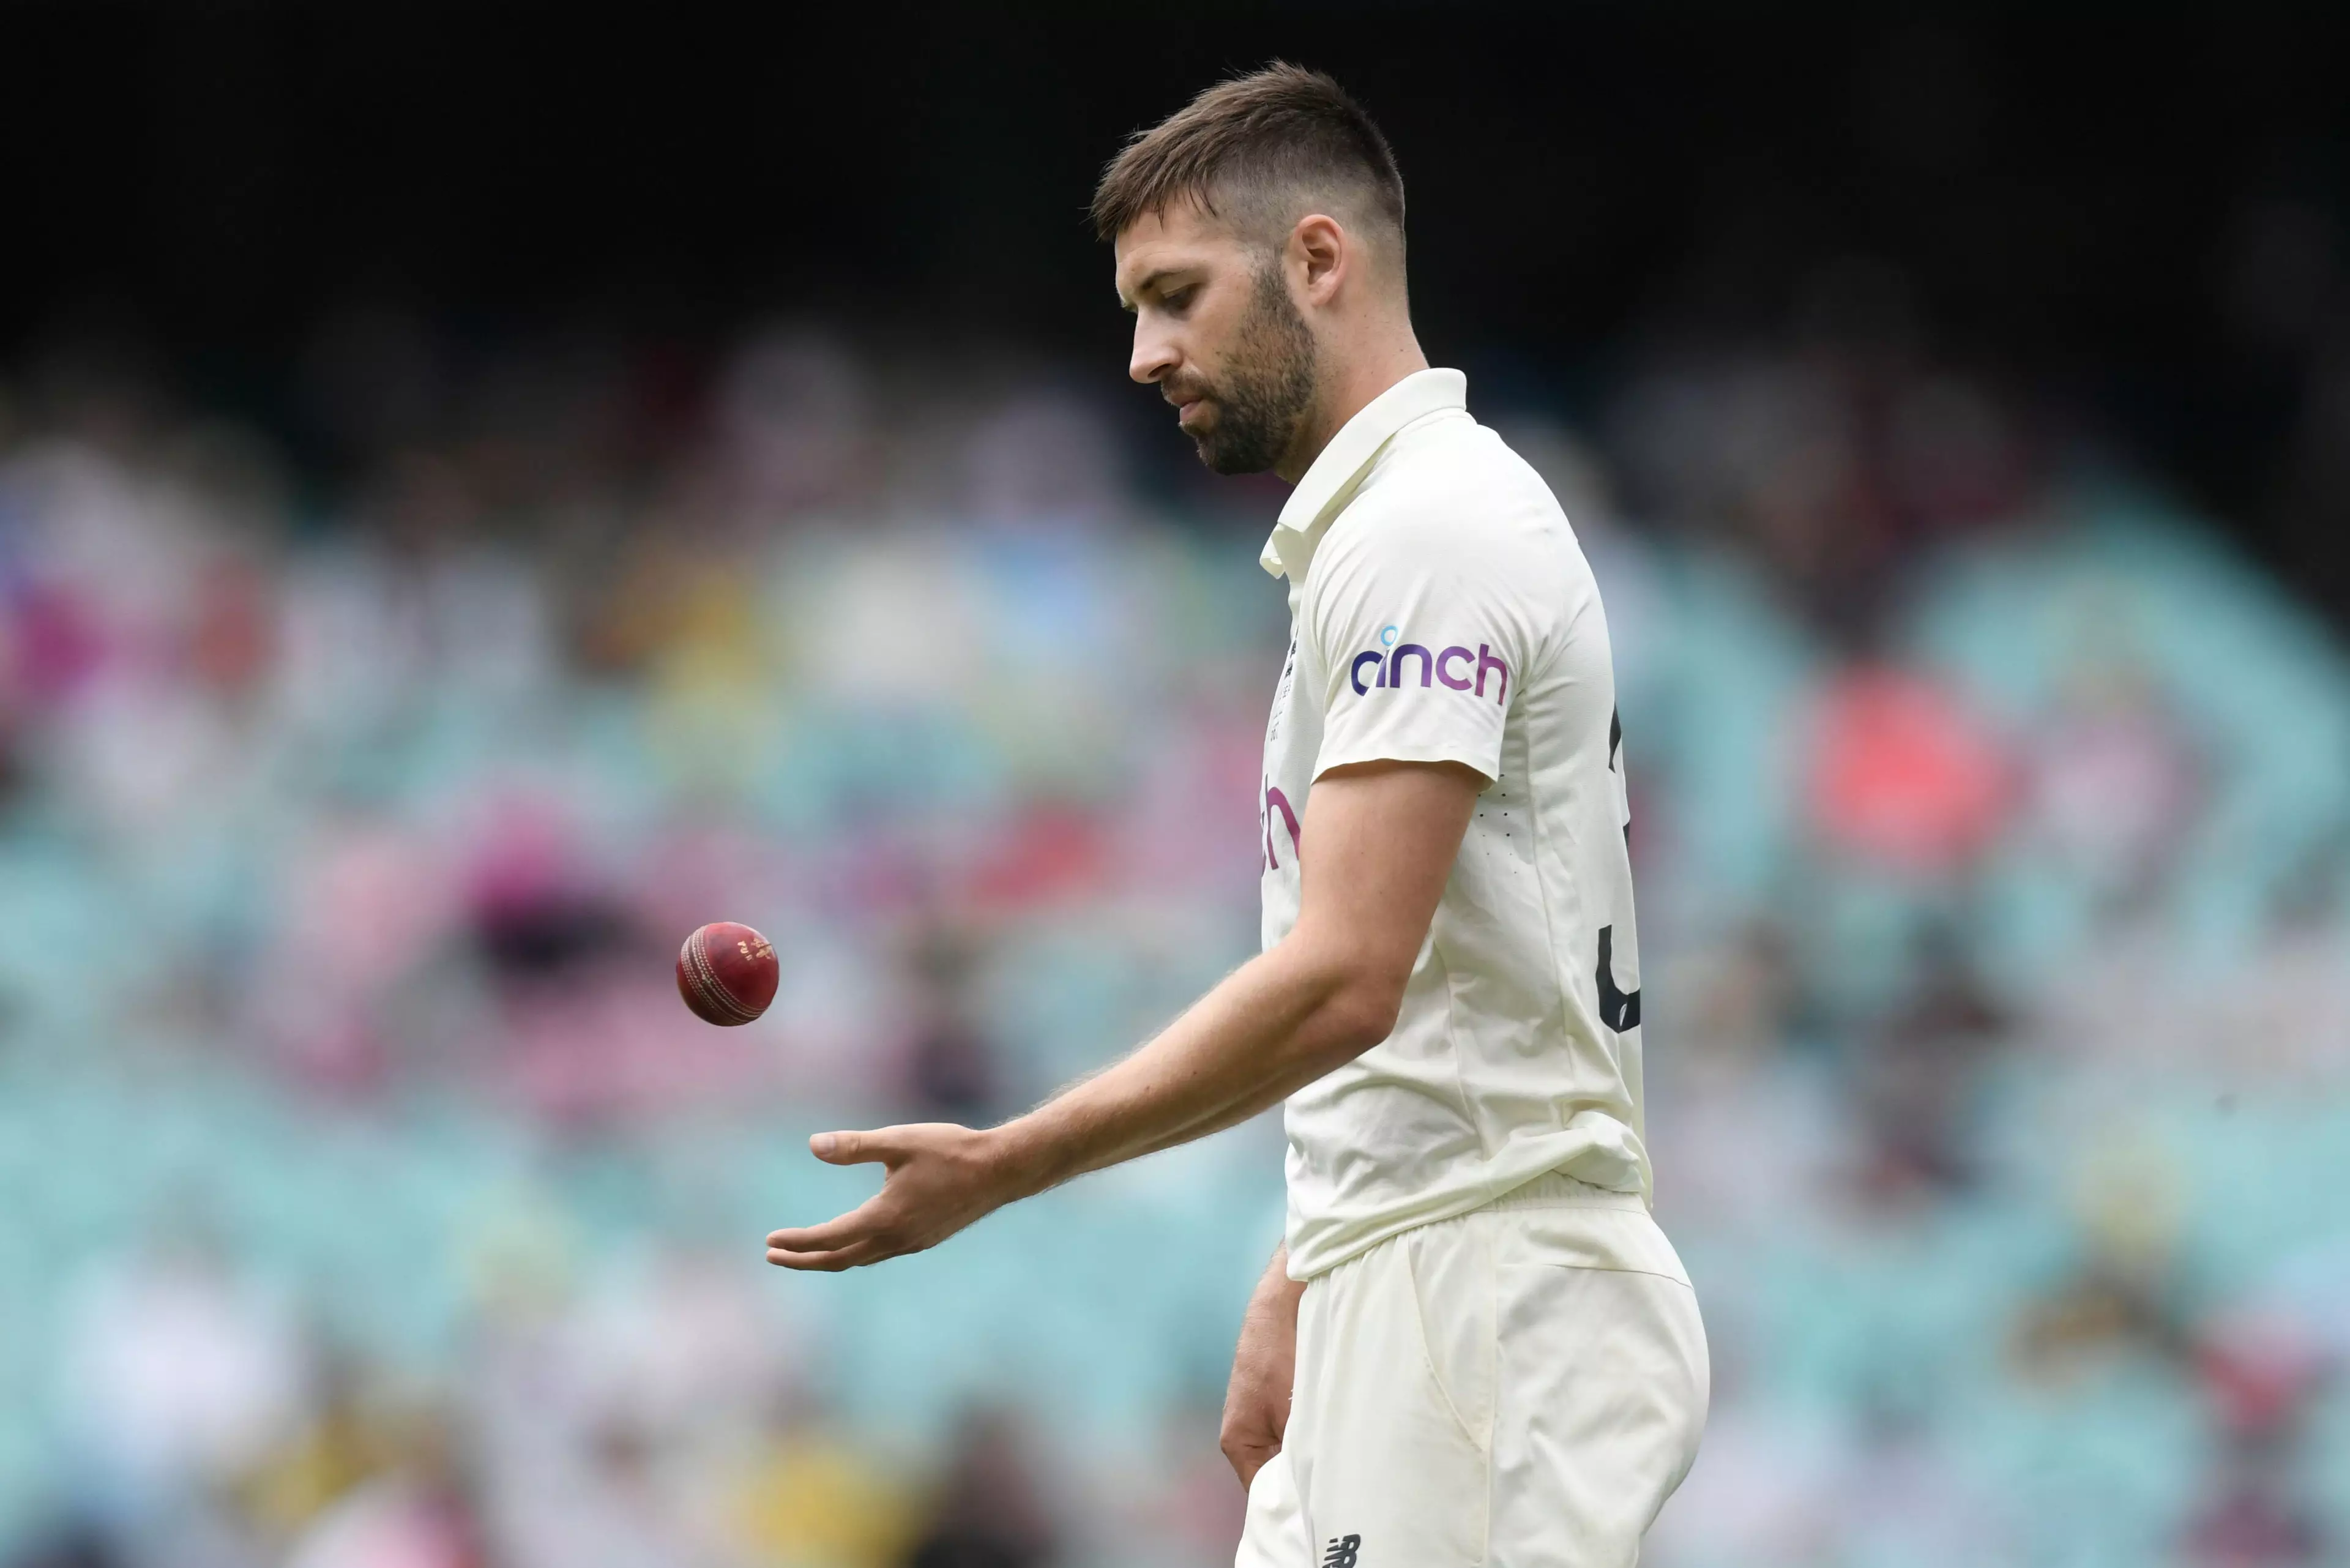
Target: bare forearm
1385	838
1276	1292
1197	1131
1273	1025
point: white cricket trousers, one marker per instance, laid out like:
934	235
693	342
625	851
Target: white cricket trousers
1520	1387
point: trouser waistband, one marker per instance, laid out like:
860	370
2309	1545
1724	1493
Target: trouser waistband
1556	1190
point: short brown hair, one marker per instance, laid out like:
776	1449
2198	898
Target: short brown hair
1241	146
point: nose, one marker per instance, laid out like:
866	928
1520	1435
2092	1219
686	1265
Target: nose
1154	354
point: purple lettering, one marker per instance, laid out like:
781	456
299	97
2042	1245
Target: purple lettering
1276	800
1458	682
1487	660
1395	663
1356	674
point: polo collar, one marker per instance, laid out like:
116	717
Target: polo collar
1329	483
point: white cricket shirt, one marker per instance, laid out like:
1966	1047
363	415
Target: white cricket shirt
1440	610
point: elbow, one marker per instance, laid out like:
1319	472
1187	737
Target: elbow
1361	1011
1353	1000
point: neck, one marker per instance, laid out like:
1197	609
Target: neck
1358	377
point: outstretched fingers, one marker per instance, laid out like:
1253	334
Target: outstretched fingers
854	1256
925	1196
853	1238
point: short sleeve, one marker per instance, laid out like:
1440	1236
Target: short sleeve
1426	628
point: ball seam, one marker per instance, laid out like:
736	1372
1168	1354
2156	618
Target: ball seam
708	986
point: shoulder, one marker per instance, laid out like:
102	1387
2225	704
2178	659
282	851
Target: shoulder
1450	495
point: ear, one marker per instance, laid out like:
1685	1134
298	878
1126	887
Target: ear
1322	253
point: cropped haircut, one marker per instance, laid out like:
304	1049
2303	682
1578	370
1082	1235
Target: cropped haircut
1258	151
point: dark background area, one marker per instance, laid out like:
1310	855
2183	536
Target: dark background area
2143	215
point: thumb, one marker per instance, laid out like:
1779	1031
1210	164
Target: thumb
839	1148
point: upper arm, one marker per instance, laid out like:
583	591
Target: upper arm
1377	846
1427	626
1428	617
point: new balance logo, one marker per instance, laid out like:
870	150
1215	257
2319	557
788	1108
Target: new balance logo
1342	1550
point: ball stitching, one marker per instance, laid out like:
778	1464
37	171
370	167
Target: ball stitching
703	976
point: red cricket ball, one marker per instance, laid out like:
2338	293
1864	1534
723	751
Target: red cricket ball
726	973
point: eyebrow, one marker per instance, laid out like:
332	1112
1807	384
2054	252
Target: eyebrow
1126	302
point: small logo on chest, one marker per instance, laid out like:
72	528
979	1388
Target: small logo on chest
1274	801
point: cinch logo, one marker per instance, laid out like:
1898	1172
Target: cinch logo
1453	667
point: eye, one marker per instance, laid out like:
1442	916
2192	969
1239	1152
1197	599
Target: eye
1179	300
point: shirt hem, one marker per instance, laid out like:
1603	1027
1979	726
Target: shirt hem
1488	769
1552	1188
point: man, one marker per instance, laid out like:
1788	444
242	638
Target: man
1475	1346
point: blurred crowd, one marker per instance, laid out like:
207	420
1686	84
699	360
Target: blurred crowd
364	756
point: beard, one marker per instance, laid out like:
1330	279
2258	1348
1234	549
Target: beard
1267	386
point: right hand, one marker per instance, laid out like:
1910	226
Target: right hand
1265	1363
